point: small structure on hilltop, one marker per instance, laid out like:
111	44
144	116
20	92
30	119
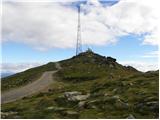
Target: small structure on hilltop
89	50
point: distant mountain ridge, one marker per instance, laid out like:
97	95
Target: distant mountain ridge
6	74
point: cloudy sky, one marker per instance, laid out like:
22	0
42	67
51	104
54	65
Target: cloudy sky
35	32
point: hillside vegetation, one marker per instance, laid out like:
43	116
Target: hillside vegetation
92	86
90	66
25	77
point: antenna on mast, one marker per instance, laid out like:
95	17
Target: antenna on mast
79	42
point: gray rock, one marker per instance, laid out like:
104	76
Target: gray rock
116	97
50	108
75	96
122	105
154	105
111	66
92	104
93	107
71	114
57	109
130	117
81	97
82	104
6	114
106	94
115	90
67	94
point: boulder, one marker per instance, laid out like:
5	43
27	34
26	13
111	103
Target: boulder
70	95
75	96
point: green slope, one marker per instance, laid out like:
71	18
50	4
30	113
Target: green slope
114	91
25	77
90	66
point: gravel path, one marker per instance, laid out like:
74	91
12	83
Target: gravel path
43	82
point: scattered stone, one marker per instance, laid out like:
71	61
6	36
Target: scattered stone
92	104
93	107
93	101
115	90
50	108
75	96
56	109
16	117
70	96
74	93
59	109
154	105
71	114
111	66
82	104
116	96
81	97
106	94
122	105
131	84
130	117
6	114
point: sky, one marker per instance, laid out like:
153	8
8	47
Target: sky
35	32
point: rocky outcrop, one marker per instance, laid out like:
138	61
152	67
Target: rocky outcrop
75	96
110	59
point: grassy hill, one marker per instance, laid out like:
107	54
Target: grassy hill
90	66
92	86
25	77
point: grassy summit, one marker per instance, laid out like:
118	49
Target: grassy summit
90	66
92	86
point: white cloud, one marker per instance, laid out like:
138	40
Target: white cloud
141	65
50	1
17	67
52	25
153	54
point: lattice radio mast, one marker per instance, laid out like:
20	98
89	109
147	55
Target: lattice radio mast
79	42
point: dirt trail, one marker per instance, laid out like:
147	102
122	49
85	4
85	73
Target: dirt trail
43	82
